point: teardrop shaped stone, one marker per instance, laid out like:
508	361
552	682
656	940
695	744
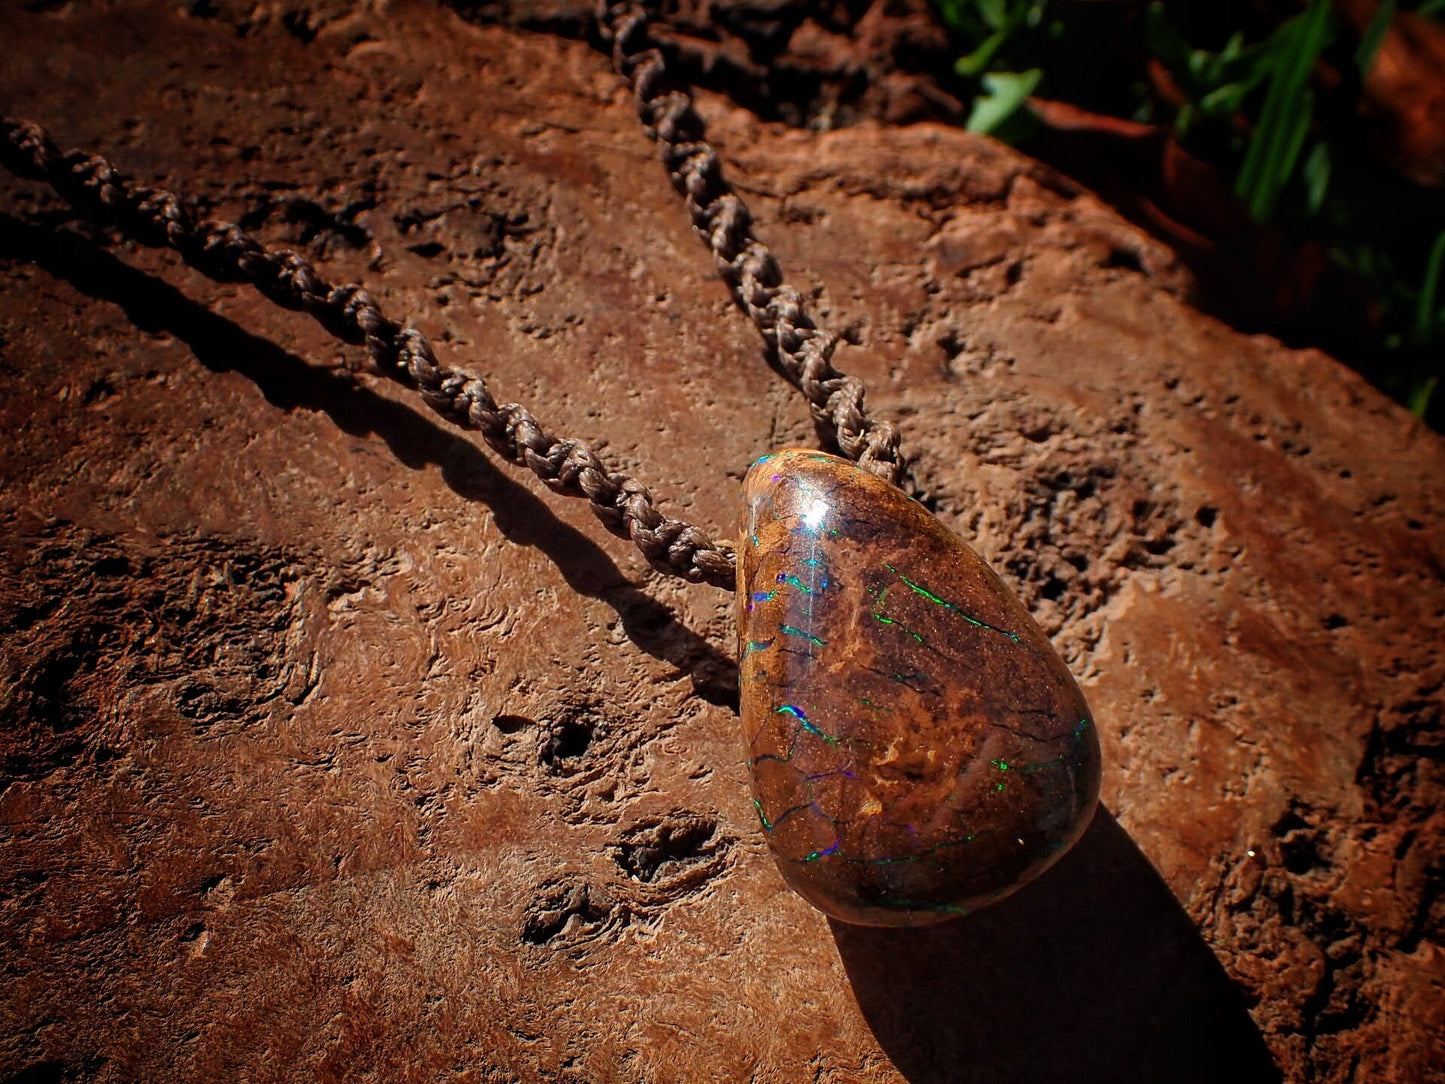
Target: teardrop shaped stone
917	748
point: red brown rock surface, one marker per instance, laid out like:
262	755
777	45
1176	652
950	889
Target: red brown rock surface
332	751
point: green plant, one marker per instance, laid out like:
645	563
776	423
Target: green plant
1005	94
1257	105
993	25
1273	106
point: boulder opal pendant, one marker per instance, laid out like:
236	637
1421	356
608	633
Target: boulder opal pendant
917	748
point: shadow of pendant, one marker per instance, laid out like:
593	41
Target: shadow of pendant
1094	973
917	748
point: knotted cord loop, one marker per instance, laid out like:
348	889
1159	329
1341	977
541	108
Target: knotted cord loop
804	352
225	252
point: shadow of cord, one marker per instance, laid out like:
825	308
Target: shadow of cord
288	382
1093	972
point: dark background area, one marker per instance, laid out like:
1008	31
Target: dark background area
1291	153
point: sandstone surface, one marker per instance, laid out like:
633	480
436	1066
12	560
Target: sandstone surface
332	749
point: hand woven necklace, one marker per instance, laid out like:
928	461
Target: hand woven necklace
917	748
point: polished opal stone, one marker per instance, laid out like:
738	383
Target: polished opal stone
917	748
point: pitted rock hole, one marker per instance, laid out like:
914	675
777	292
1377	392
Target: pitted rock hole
207	620
653	851
511	724
566	739
575	912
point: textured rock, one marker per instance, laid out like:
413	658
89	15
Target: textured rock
917	748
331	749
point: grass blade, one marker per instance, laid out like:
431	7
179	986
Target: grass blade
1425	311
1288	109
1006	92
1372	37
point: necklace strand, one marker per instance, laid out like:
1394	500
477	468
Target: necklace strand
225	252
803	351
625	506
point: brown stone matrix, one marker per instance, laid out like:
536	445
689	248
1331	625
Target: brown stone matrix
917	748
331	748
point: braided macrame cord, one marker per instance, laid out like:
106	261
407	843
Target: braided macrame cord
225	252
804	351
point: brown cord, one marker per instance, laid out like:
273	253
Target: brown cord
226	253
803	350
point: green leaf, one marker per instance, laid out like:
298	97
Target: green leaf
1430	8
955	13
1316	173
1420	394
1233	48
1288	108
994	12
1372	37
1007	91
1199	73
1183	120
1225	101
1164	41
1212	68
978	61
1425	315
